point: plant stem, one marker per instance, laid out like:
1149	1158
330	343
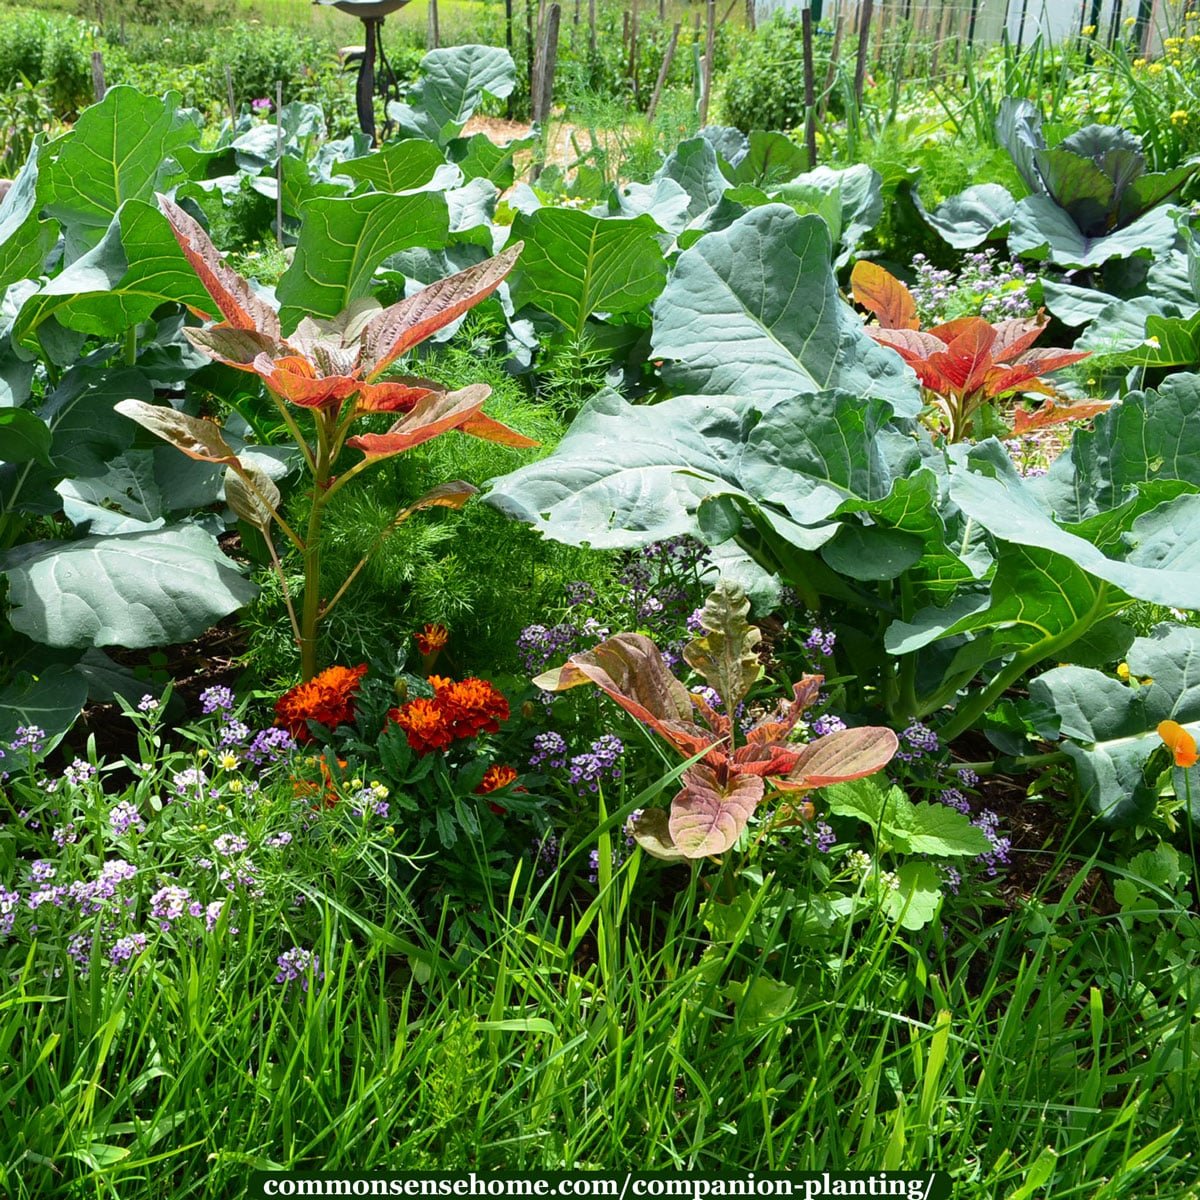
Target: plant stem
131	346
972	708
310	616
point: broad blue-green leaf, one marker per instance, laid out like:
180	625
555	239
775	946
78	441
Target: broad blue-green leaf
343	240
1149	436
1163	561
401	166
136	267
86	434
625	476
1019	131
52	700
1110	728
574	264
453	82
25	239
478	157
693	165
1041	229
1037	598
976	214
850	200
755	310
1146	332
139	589
730	144
1074	305
24	437
124	499
127	147
16	370
768	159
471	209
664	201
257	148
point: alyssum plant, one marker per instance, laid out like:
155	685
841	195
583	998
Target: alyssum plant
332	369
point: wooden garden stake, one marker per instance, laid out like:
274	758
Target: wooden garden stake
530	54
810	99
633	53
508	45
432	39
752	16
592	27
543	100
663	71
99	87
230	97
864	37
831	73
706	93
548	60
279	162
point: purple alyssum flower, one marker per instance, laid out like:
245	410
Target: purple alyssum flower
217	699
590	769
549	750
28	737
123	949
821	641
168	904
298	964
270	746
123	817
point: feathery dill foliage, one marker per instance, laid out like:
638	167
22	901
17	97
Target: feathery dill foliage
472	570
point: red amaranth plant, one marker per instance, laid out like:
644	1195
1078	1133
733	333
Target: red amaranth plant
332	369
722	790
968	362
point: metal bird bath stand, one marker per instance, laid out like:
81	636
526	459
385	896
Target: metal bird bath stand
371	13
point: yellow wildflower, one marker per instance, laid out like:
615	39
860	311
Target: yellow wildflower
1156	68
1179	117
1123	672
1088	30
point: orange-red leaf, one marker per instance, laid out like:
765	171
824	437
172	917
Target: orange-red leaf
1015	336
1051	413
881	293
964	363
235	298
710	812
493	431
430	417
410	321
295	380
847	754
390	397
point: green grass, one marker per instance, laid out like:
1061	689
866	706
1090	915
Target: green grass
1052	1049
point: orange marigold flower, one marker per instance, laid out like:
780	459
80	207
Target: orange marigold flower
424	724
494	778
327	698
456	711
1179	742
472	706
432	638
